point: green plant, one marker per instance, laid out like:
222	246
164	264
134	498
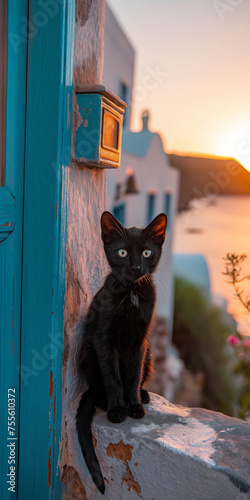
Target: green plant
233	271
239	343
199	333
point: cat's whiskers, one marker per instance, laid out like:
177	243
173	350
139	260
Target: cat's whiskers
120	280
118	277
124	298
165	284
146	278
149	280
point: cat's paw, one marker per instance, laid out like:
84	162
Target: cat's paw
117	415
136	411
145	398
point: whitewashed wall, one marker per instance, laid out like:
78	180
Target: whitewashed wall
118	59
173	453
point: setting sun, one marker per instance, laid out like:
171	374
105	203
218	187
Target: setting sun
235	142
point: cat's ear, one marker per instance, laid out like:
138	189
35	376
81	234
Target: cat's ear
157	228
111	228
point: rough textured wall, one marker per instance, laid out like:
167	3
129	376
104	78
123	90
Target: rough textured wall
85	262
173	453
89	41
119	57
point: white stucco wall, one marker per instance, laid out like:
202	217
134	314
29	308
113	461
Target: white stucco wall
118	59
153	175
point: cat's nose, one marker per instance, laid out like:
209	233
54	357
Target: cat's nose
136	270
136	267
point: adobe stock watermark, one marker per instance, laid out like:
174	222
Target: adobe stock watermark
40	360
219	181
153	78
223	7
83	148
30	27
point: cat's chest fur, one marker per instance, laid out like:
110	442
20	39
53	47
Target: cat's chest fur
134	299
138	297
132	315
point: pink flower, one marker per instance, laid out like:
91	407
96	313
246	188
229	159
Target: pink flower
233	340
247	343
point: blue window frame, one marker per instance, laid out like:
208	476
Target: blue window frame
119	213
124	92
151	207
167	208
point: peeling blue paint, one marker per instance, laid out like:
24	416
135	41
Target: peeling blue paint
7	213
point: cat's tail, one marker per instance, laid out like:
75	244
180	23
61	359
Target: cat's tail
84	418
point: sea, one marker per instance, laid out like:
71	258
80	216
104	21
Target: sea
213	227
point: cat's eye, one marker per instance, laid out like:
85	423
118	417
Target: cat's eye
122	252
146	253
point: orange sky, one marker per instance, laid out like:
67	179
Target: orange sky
192	72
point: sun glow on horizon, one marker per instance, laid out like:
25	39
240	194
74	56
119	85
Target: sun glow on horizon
235	143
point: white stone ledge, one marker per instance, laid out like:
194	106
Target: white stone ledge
173	453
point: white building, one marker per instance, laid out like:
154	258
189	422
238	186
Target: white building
119	55
145	184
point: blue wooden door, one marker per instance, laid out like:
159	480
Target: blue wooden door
11	223
33	221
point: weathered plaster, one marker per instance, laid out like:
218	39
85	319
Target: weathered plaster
70	475
89	41
174	453
86	268
120	451
85	261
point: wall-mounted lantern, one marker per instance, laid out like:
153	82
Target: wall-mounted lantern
131	182
99	131
128	186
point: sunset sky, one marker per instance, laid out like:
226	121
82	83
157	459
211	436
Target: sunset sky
198	51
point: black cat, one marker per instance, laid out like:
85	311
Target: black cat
115	356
